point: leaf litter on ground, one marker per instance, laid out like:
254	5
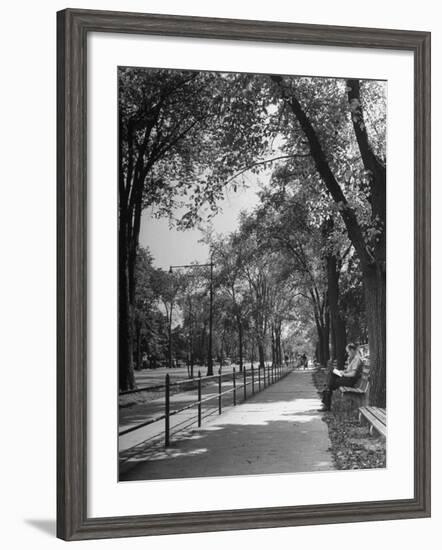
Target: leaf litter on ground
352	446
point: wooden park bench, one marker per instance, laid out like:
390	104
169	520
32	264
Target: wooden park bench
357	396
376	417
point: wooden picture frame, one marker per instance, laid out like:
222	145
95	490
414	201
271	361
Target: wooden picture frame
73	27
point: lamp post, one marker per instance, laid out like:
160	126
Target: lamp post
190	338
170	334
209	358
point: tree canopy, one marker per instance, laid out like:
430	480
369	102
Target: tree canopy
306	265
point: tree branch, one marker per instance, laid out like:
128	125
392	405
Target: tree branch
260	162
348	214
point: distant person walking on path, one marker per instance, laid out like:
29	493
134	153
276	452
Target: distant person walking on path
347	377
304	362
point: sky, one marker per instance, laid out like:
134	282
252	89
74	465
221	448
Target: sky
171	247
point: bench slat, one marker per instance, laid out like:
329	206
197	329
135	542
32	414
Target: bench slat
379	427
376	417
375	411
348	389
380	414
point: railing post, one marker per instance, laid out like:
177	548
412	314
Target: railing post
219	390
166	412
199	399
253	381
234	386
268	374
244	382
259	377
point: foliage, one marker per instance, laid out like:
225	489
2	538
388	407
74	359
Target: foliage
185	137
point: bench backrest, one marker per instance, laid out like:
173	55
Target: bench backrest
364	380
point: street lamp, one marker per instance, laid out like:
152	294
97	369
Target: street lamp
209	358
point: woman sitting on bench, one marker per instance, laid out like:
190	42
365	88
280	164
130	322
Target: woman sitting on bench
348	377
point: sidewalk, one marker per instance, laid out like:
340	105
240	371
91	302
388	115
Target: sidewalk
276	431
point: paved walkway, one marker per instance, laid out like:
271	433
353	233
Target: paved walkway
276	431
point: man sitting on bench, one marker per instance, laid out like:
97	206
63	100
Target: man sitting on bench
348	377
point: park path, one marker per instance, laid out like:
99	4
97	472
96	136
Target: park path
278	430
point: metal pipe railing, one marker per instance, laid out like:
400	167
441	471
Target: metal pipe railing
271	374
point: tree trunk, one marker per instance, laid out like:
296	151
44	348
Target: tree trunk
273	343
375	297
337	319
125	324
371	255
278	344
322	346
252	352
261	354
332	340
327	336
138	345
240	342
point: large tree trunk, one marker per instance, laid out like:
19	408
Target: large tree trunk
273	342
375	297
322	322
337	319
278	346
374	270
332	342
261	354
323	343
327	336
125	324
371	255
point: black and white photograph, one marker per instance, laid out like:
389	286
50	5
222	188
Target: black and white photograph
252	273
217	300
